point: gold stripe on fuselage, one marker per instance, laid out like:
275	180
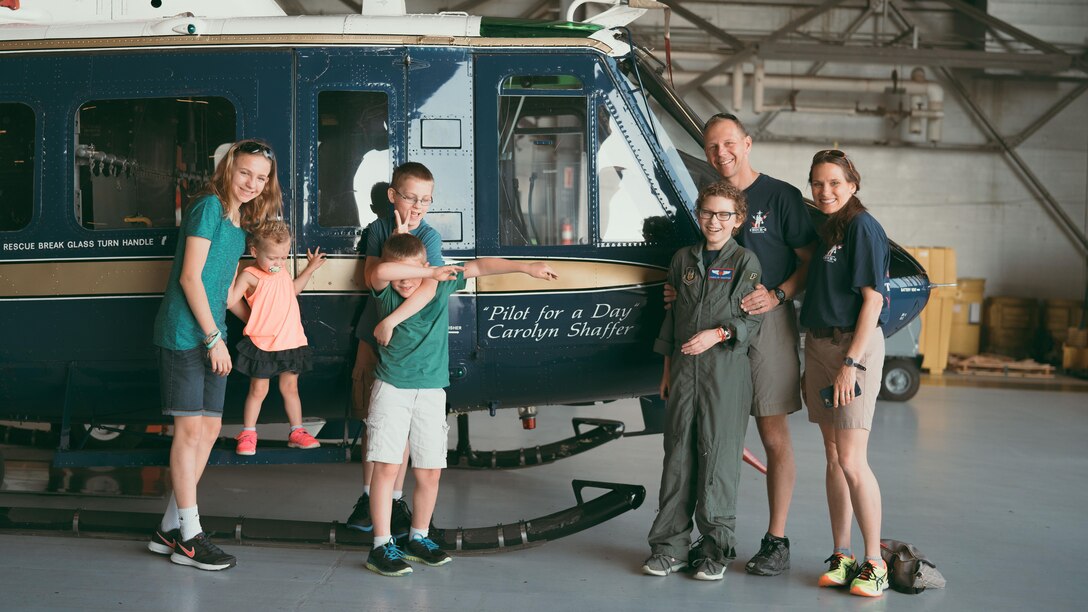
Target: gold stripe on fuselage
120	277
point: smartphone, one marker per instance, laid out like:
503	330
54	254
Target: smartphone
828	393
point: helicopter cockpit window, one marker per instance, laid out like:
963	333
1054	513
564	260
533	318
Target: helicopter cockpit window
542	167
353	160
138	162
16	165
630	208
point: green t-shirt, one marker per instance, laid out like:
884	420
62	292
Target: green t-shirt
418	354
175	326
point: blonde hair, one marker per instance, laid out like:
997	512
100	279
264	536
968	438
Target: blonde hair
267	205
271	230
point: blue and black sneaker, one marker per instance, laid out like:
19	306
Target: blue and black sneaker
388	560
425	551
360	515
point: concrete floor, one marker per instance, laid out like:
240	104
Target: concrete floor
991	483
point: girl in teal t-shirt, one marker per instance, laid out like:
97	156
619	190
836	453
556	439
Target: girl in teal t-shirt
190	333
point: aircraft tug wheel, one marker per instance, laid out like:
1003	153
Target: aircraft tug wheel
900	381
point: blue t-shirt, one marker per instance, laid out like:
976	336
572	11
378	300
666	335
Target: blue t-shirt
380	230
777	223
839	271
418	354
175	326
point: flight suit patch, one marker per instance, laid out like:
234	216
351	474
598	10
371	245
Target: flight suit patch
689	276
720	274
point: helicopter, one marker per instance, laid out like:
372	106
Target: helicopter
555	141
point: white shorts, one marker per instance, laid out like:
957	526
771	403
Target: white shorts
399	417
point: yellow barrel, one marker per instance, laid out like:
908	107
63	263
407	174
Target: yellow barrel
1011	325
967	316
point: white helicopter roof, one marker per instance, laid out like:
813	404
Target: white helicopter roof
88	20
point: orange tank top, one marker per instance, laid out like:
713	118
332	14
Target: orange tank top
275	323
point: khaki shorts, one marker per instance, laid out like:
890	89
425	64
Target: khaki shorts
776	367
823	359
416	417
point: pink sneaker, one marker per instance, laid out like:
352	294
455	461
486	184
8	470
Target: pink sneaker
247	443
300	438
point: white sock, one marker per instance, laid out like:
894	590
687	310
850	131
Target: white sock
380	541
249	429
414	533
170	517
189	520
366	490
294	427
398	494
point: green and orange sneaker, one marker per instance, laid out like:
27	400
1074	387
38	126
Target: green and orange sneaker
872	581
842	569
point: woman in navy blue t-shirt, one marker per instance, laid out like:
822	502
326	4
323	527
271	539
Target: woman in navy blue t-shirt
845	306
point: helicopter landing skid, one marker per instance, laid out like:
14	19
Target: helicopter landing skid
464	457
618	499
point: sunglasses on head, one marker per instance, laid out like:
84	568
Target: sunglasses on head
829	153
253	147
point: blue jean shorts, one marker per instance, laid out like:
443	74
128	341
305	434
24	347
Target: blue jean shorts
187	384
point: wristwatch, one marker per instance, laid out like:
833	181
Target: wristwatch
781	295
849	362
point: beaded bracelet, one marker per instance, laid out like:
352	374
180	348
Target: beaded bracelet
723	335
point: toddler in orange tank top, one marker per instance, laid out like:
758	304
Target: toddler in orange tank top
273	342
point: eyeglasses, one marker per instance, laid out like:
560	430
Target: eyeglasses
253	147
723	216
413	200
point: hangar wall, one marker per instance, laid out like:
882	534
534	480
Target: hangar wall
974	201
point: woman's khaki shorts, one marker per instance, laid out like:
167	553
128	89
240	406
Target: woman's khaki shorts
823	360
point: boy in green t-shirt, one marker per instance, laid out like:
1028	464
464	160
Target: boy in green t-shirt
408	401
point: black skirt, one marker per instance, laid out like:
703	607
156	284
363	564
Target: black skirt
255	363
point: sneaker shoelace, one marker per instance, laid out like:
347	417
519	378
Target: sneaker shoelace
768	548
427	543
392	552
835	560
867	571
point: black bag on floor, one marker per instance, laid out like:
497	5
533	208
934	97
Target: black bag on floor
909	571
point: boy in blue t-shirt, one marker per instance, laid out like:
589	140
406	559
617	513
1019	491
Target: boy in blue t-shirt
408	400
410	195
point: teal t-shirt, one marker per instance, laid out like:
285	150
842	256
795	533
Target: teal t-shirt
380	230
418	354
175	326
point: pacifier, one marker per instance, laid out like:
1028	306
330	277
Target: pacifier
274	269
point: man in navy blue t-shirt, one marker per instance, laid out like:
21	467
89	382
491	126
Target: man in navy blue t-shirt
780	232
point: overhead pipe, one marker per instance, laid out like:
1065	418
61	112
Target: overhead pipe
926	97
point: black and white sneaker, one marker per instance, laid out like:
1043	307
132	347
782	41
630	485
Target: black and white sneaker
425	551
162	542
199	552
388	560
360	515
773	557
400	521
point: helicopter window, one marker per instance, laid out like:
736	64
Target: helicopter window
630	208
353	160
542	170
440	133
17	124
137	162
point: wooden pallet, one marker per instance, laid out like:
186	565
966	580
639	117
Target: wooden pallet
999	365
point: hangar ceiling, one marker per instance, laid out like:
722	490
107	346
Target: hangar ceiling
960	41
